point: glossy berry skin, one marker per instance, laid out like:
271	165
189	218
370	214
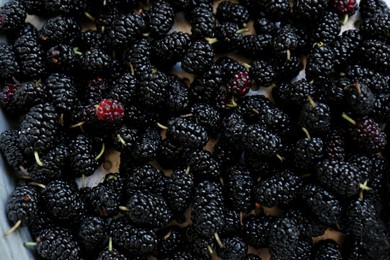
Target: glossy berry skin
327	29
262	72
323	204
258	139
342	178
198	57
239	187
256	230
202	22
240	84
207	209
109	110
160	17
23	204
93	233
58	243
234	248
63	201
308	224
148	209
54	164
368	136
179	190
315	119
283	238
38	129
59	30
360	98
308	152
61	92
82	156
278	190
9	148
343	7
186	133
229	12
114	254
12	16
8	64
203	165
132	239
126	28
328	249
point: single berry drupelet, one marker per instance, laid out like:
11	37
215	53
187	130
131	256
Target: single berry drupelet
12	16
160	17
92	233
63	201
58	243
198	57
278	190
23	205
148	209
179	190
38	129
283	238
323	204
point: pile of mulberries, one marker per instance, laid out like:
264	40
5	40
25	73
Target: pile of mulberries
217	157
